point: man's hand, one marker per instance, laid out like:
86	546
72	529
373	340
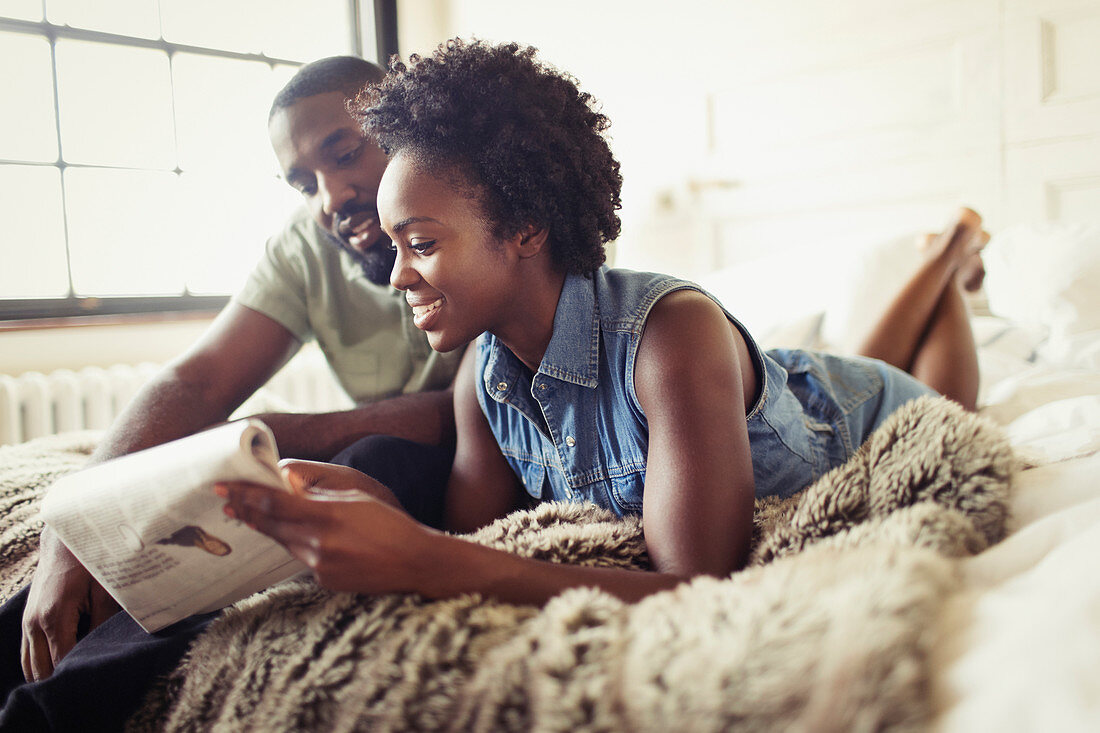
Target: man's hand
60	591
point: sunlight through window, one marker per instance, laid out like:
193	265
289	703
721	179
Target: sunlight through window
33	247
137	18
122	234
134	159
21	9
221	112
234	208
116	105
27	82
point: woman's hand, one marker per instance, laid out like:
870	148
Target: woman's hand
338	523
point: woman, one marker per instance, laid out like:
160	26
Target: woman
633	390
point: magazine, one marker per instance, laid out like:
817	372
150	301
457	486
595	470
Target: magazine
150	529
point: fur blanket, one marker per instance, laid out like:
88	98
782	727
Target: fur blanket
830	628
26	470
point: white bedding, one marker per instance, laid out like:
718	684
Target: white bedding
1020	648
1027	634
1028	631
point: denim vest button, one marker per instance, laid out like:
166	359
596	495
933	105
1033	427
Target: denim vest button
569	441
502	386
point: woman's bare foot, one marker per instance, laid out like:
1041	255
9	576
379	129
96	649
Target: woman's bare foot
962	243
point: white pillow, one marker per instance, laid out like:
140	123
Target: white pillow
818	296
1048	275
1043	277
873	276
779	304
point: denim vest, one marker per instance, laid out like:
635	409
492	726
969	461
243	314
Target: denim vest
574	430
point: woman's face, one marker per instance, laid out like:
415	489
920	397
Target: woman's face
454	272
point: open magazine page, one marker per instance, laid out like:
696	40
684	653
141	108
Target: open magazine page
150	529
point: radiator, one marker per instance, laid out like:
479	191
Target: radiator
34	404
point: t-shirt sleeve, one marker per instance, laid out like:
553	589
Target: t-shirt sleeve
276	287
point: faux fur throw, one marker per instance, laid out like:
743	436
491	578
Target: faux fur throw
830	628
26	470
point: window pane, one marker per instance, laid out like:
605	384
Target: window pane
224	224
122	233
289	29
221	113
125	17
33	246
233	25
27	81
116	105
21	9
307	31
282	74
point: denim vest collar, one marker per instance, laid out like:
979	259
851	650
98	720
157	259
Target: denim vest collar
573	352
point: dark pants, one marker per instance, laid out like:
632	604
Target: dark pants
101	682
416	473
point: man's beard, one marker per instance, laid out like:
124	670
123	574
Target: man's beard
376	262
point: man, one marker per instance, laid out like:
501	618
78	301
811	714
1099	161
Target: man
326	275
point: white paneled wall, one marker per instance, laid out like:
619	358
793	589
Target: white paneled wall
1052	109
745	128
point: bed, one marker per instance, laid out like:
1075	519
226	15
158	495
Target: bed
943	579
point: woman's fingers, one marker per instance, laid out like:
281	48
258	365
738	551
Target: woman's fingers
247	501
299	539
363	545
329	482
301	476
325	480
310	530
290	520
272	511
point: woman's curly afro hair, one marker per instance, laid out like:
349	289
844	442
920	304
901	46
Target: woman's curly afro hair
519	131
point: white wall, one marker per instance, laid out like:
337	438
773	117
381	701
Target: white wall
47	349
746	127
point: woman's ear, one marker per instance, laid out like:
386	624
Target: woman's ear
532	241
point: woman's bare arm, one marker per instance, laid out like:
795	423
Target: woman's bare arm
690	380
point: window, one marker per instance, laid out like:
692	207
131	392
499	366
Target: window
135	172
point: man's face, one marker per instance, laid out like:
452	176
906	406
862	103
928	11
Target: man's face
326	158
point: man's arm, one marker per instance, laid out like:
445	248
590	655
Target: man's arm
236	356
427	417
238	353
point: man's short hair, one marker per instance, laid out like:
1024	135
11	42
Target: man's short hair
347	74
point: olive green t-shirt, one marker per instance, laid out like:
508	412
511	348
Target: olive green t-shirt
313	288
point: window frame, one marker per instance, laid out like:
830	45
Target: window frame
34	310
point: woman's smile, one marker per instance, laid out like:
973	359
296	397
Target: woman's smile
425	314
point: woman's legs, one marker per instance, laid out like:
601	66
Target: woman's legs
926	328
